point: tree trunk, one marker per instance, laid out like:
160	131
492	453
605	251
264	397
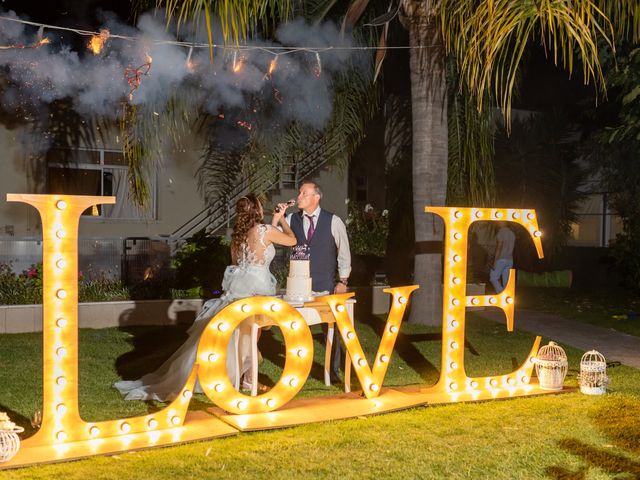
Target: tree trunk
430	156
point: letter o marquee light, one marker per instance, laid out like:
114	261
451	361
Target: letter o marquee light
213	375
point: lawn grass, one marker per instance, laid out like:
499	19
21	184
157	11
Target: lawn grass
594	306
559	436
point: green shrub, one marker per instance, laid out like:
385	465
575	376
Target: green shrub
200	263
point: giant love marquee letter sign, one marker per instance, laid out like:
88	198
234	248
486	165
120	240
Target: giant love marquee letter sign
65	435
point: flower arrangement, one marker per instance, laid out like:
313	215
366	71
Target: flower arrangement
368	229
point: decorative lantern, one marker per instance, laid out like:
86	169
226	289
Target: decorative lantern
9	440
551	366
593	378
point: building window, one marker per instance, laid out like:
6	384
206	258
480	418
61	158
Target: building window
597	224
96	172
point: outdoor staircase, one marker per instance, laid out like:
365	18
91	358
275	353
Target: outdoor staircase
267	180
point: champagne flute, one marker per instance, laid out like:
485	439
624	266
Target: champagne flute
290	203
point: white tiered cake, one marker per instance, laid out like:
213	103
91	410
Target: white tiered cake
299	279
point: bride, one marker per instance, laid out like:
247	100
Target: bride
252	251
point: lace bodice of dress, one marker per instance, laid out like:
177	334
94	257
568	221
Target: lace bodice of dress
255	252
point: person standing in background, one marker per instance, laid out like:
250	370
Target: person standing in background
503	259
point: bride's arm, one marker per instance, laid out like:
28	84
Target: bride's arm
286	236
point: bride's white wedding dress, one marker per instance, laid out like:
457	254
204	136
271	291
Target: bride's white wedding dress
251	276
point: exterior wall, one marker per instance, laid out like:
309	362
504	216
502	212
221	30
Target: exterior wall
177	197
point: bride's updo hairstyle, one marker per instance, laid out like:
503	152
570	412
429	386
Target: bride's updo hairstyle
248	214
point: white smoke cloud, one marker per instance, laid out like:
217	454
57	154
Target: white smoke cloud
97	85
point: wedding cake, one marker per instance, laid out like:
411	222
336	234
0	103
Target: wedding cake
299	279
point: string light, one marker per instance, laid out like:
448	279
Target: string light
272	49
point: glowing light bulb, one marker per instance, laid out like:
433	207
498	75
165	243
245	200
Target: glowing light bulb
374	387
509	300
152	423
455	302
393	328
454	323
241	404
175	420
350	335
453	386
223	326
293	382
478	214
475	301
492	300
362	362
457	235
340	307
270	403
537	233
61	381
187	394
498	214
60	234
456	280
61	352
524	379
61	322
61	204
218	387
125	427
458	214
61	263
384	358
530	216
515	215
246	308
474	384
453	366
456	258
212	357
511	381
61	294
301	352
276	307
453	345
494	382
61	408
295	325
402	300
61	436
94	431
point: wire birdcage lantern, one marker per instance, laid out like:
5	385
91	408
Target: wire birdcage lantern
593	378
9	443
551	366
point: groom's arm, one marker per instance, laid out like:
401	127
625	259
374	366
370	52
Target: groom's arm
339	232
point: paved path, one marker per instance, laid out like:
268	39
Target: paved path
612	344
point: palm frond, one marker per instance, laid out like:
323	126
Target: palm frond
488	40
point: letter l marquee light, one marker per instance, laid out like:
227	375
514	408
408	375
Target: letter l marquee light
61	421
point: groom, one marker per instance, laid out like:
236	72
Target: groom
326	237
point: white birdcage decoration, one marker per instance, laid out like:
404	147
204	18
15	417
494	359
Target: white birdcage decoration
551	366
9	443
593	378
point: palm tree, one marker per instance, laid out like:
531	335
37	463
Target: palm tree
487	40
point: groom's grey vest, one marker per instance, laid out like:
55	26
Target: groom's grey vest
322	249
